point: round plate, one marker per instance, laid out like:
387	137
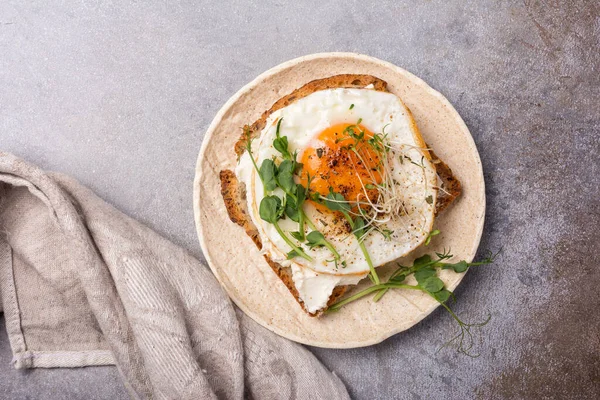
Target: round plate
243	272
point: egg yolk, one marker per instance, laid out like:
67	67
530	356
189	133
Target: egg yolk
341	158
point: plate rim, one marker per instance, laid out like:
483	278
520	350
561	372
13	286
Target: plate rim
199	174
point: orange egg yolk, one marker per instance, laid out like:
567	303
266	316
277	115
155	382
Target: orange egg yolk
344	163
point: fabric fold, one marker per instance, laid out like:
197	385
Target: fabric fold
83	284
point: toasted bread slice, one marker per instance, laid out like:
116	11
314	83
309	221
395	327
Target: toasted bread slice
234	192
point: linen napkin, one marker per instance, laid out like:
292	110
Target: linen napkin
82	284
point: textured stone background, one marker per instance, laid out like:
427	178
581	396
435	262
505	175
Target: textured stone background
119	95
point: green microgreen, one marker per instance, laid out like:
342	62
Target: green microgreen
267	173
433	233
421	165
316	239
285	177
376	142
291	208
297	236
281	142
358	228
336	202
271	210
386	233
424	269
351	131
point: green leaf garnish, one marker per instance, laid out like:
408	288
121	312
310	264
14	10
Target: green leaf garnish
315	239
285	177
337	202
423	274
442	295
422	261
425	269
281	145
292	254
387	234
376	142
398	278
286	167
431	234
271	210
291	208
297	236
358	227
460	266
267	172
432	284
281	142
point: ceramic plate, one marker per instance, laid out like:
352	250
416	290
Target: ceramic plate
243	272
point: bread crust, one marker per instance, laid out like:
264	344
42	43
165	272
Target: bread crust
234	192
450	188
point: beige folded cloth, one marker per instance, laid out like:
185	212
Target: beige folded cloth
82	284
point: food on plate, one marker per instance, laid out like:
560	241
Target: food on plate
334	181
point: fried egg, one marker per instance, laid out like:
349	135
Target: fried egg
362	144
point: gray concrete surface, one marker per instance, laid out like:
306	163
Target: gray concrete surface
118	94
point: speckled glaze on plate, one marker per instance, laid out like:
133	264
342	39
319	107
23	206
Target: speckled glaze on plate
243	272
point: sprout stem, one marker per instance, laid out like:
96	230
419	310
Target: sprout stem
370	290
298	250
312	226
